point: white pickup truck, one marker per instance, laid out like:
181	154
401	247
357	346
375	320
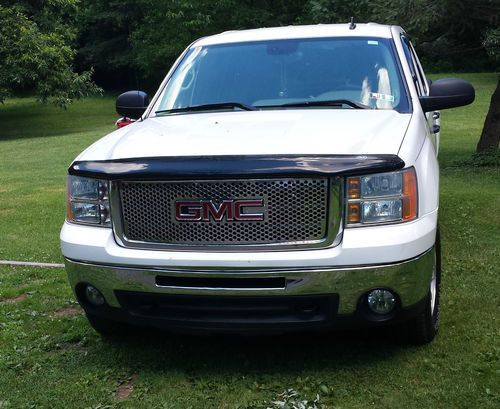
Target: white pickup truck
280	179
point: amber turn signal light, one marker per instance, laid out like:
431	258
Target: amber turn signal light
353	188
410	202
353	213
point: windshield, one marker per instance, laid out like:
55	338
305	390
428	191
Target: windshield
284	74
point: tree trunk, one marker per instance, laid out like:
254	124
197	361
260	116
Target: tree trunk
490	137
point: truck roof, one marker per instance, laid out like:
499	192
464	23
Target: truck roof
309	31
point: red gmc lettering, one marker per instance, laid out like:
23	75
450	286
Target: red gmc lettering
188	211
228	210
239	210
224	211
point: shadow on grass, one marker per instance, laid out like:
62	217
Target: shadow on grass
234	354
25	118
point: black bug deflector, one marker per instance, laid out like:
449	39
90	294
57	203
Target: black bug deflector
205	167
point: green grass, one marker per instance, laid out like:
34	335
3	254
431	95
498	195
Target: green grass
50	359
37	144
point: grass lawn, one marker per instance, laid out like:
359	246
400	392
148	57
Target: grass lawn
51	358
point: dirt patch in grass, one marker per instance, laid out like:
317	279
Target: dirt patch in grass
126	388
14	300
67	348
6	212
67	312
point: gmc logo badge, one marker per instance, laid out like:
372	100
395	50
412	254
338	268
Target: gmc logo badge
228	210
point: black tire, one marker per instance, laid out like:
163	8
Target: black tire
108	328
423	328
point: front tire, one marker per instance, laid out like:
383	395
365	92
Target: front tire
424	328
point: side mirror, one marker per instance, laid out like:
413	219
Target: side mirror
132	104
448	93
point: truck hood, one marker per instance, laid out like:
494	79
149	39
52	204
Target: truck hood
293	131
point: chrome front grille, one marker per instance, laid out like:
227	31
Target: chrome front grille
295	212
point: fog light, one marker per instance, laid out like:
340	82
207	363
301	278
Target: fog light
93	295
381	301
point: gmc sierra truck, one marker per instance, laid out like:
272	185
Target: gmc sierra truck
281	179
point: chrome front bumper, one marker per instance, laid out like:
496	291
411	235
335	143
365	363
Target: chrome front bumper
408	279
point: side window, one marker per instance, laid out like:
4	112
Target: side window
420	71
415	69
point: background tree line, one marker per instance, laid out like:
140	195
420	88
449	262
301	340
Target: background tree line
66	49
132	42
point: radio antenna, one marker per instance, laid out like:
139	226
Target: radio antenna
352	25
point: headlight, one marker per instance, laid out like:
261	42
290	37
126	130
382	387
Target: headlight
88	201
382	198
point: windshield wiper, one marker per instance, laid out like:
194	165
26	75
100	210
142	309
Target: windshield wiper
208	107
325	103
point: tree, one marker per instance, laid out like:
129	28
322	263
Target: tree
169	26
490	136
36	52
136	41
104	28
336	11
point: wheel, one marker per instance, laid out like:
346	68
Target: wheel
108	328
423	328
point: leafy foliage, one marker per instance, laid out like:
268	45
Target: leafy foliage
492	44
448	34
129	39
167	27
36	52
336	11
104	28
133	42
